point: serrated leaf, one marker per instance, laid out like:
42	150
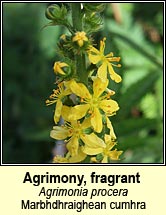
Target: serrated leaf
135	93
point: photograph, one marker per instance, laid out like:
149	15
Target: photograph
82	83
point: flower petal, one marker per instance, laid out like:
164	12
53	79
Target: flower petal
92	140
80	43
109	106
66	113
99	87
78	158
105	159
60	159
114	155
96	120
109	125
93	58
63	64
80	37
67	92
79	111
80	89
73	145
58	109
108	140
57	67
74	113
114	76
59	133
102	45
86	123
92	151
102	71
93	50
93	144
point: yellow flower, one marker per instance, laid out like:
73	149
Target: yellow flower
57	97
60	159
72	133
58	67
92	104
97	56
80	37
104	150
69	159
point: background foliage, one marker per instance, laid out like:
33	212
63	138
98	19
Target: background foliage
134	31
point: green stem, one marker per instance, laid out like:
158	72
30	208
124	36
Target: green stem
76	16
80	57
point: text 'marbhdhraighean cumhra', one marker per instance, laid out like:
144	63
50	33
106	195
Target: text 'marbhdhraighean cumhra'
54	196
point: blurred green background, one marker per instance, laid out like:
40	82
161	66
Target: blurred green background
134	31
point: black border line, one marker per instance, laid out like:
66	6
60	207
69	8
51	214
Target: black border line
112	164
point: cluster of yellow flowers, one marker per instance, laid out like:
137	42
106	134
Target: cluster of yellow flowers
87	129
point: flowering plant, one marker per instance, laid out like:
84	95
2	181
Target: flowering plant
83	102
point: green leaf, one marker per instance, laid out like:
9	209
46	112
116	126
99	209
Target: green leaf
139	48
135	93
133	126
141	149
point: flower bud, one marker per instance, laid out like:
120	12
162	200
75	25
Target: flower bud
96	7
99	157
88	130
92	22
56	13
61	68
80	38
